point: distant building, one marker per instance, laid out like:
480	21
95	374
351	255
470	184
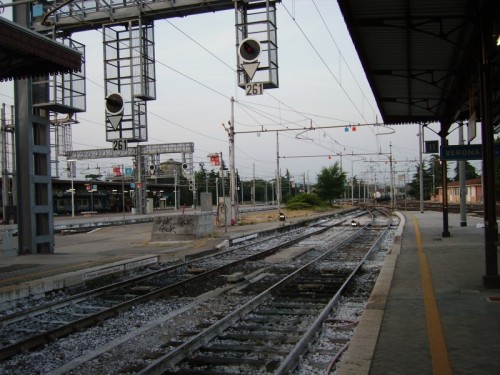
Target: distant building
473	187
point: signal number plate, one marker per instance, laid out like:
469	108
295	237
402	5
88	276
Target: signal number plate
254	88
120	144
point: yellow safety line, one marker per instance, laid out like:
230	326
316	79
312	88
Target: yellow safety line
439	352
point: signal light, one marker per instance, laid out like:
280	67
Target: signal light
114	104
249	50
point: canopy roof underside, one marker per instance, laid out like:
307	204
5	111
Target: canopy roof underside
423	58
25	53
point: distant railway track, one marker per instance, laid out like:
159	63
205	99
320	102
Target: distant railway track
412	205
25	330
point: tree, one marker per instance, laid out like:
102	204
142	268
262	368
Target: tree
432	178
331	182
470	171
286	186
429	182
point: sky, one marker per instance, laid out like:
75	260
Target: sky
321	84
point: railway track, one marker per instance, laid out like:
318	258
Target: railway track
413	205
40	325
271	332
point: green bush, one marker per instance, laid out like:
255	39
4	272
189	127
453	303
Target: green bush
304	201
298	206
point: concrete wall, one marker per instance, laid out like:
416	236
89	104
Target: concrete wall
182	227
206	202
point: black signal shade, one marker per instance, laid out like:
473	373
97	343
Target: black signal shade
249	50
114	104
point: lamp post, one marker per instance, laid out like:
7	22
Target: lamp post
71	171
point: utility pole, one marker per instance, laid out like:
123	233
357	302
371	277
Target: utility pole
352	181
175	189
254	193
5	174
461	175
278	178
421	170
123	193
223	193
139	187
391	176
232	170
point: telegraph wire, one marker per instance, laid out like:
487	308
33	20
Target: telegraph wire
342	55
324	63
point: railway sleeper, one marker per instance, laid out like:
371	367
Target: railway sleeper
239	363
143	289
272	326
326	296
336	278
172	343
305	298
196	270
92	308
54	323
337	341
320	365
315	284
292	311
116	297
265	319
235	332
264	337
326	290
246	348
186	333
293	304
310	288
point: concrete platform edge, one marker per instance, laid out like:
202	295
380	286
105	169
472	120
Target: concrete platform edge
64	280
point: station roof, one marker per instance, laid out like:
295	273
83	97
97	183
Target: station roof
422	57
25	53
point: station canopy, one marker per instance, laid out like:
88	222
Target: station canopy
28	54
422	58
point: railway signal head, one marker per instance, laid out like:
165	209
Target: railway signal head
249	50
114	104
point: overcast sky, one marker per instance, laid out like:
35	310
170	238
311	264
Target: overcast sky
321	82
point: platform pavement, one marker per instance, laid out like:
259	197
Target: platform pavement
402	332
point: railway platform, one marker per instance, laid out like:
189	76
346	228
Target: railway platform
428	313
